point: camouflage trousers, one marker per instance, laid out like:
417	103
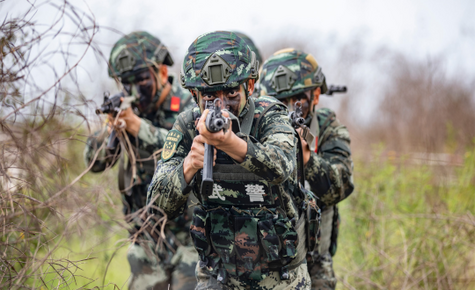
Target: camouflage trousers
299	280
148	273
321	273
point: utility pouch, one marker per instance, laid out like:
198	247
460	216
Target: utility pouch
288	238
199	231
269	239
247	245
312	225
244	244
222	238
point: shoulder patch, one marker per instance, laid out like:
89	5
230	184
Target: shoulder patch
175	104
171	143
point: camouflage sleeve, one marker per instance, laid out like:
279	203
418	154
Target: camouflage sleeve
329	173
93	144
273	156
151	136
168	183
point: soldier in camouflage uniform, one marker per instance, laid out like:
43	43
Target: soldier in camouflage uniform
290	76
247	229
139	61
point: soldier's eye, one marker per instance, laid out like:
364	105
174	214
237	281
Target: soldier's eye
233	93
208	97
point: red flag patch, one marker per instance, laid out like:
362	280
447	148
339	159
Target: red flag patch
316	144
175	104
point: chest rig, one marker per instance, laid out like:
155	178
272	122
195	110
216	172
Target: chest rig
241	229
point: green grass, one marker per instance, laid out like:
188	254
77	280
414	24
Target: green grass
97	258
405	227
95	247
408	227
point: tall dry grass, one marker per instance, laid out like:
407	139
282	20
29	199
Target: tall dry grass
45	201
424	109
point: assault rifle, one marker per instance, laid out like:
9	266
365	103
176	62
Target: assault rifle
214	122
298	122
335	89
113	105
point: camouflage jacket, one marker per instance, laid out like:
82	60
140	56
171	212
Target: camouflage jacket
151	137
329	171
270	156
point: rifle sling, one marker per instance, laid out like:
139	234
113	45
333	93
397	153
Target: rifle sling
246	124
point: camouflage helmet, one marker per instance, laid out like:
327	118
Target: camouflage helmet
251	45
135	52
218	60
290	72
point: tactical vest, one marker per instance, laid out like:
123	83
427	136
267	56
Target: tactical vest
330	218
241	229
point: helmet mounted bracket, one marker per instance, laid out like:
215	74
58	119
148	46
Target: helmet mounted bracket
125	61
215	71
283	79
318	77
254	66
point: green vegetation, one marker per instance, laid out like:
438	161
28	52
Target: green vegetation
96	243
405	227
408	227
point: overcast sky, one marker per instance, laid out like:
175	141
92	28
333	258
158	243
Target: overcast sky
421	29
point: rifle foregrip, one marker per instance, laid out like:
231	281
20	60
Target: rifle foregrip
207	181
113	141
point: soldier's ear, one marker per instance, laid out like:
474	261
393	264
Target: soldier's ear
163	73
316	96
250	85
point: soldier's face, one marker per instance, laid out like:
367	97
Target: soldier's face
143	87
233	99
303	98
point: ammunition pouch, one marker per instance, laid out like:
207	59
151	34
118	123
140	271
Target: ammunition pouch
312	216
312	224
247	244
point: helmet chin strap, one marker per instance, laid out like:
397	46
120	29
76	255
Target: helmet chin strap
245	89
